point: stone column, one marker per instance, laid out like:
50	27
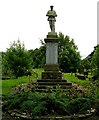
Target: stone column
51	68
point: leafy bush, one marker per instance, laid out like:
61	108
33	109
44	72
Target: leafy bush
16	60
40	109
79	105
95	61
13	101
63	103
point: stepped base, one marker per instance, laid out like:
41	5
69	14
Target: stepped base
51	77
44	83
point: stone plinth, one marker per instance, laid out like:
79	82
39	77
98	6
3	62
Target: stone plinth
51	68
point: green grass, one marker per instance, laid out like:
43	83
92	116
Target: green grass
39	71
7	85
74	79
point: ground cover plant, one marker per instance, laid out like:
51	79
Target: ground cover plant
57	102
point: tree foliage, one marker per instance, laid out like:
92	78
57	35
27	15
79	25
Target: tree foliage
38	56
69	57
84	65
95	61
90	62
17	59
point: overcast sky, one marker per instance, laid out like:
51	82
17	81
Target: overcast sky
26	20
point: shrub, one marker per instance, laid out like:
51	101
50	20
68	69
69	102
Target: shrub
40	109
16	60
58	102
79	105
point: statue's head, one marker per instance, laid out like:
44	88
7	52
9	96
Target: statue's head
51	7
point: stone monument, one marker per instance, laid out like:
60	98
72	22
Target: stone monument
51	68
51	76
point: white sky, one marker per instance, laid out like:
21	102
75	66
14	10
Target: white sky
26	20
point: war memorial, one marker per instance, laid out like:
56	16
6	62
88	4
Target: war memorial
52	76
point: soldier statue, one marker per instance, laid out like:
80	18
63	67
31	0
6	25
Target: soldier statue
51	18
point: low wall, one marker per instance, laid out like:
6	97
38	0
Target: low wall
15	116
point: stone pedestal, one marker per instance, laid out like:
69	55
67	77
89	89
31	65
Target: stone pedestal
51	68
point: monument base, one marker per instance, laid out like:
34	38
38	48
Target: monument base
51	71
51	75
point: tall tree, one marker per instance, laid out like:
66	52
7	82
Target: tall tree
69	57
84	65
95	61
18	59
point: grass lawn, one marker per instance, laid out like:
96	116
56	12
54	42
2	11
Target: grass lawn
74	79
8	84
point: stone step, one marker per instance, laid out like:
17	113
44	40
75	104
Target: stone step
54	83
52	80
45	90
54	86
